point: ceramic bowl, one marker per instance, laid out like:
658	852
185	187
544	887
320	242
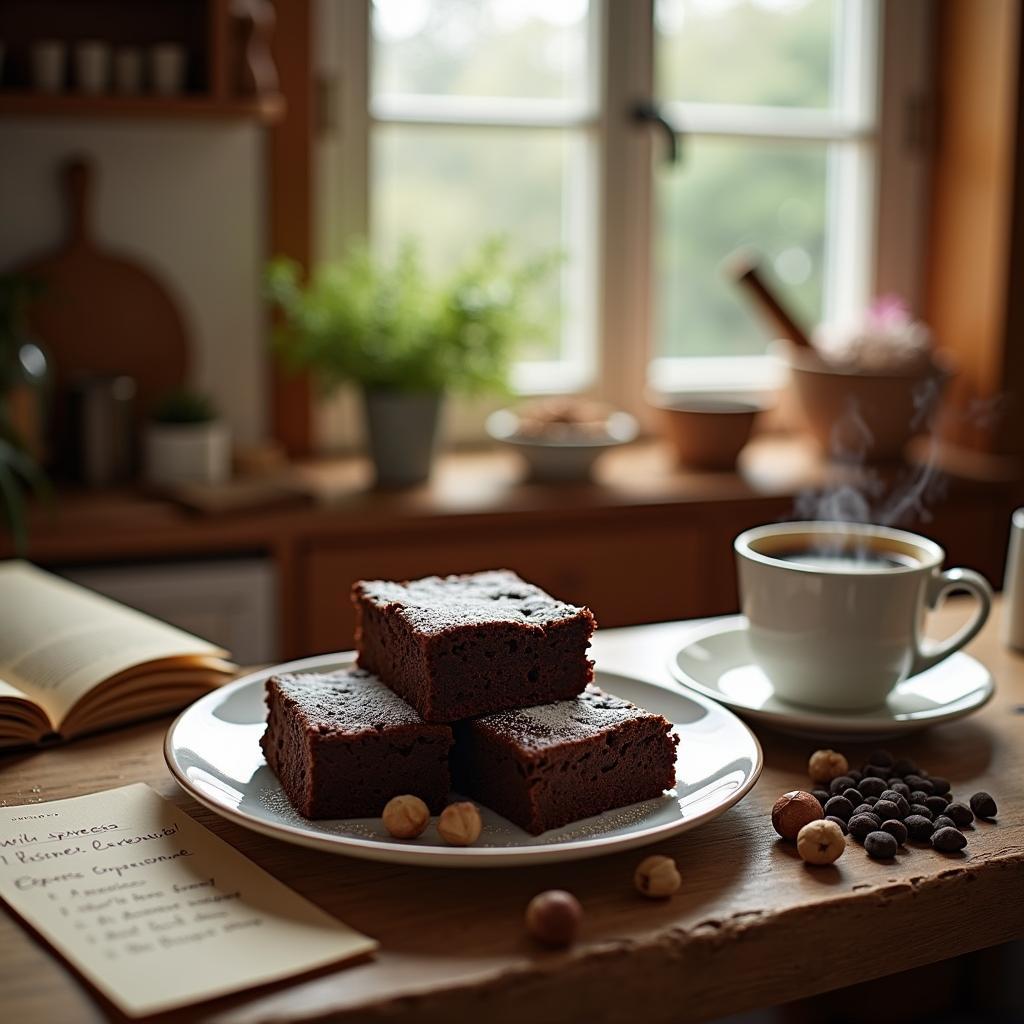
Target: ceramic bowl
708	432
560	460
864	417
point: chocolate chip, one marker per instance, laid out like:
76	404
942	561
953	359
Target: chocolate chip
839	783
862	824
886	809
949	840
880	845
960	813
896	829
872	787
839	807
983	805
839	822
919	828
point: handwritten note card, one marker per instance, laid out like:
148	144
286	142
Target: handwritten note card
152	908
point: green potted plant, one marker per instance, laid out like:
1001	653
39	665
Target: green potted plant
185	441
404	340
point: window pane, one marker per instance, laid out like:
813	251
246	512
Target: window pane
452	187
507	48
729	193
772	52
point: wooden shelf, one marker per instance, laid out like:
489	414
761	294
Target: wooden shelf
266	109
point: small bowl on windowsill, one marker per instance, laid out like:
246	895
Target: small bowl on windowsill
558	442
708	432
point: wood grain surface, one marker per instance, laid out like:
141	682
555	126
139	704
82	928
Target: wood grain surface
752	926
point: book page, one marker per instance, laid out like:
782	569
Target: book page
59	640
152	908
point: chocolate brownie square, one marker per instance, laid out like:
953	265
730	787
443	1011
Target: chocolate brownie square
343	745
543	767
457	646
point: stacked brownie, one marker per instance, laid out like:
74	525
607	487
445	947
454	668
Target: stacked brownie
489	662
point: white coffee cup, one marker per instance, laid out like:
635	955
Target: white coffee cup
836	612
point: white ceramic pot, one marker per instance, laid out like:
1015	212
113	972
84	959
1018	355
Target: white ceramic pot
187	453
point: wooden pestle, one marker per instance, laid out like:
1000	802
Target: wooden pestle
742	268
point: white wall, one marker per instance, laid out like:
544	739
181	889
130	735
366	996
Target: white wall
186	199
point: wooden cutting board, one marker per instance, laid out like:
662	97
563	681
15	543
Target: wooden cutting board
102	313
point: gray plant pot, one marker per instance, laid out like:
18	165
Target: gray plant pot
402	431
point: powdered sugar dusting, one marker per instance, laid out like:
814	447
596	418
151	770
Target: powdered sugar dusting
437	603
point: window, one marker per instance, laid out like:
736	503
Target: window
459	118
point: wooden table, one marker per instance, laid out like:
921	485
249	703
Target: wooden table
751	927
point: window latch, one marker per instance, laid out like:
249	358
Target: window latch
648	112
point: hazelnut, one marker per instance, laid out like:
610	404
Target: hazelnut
553	917
460	824
826	765
794	810
820	842
405	817
657	877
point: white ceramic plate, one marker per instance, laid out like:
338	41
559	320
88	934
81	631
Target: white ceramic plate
212	749
716	662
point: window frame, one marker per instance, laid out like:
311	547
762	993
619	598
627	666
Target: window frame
623	370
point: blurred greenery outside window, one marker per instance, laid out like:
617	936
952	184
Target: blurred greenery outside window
486	116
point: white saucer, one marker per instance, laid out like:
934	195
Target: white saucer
716	662
213	751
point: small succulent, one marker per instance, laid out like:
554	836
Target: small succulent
183	407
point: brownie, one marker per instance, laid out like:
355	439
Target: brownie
546	766
457	646
343	745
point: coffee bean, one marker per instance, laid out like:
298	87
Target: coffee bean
839	783
940	785
946	797
872	787
919	828
874	771
854	796
862	824
898	799
902	788
943	822
861	809
882	758
886	809
839	822
935	804
839	807
896	829
919	782
983	805
871	799
903	766
918	796
856	775
949	840
880	845
821	795
960	813
923	810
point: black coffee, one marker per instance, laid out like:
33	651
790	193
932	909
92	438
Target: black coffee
862	561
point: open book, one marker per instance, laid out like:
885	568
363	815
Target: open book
72	662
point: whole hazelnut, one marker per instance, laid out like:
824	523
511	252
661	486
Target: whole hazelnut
460	824
826	765
794	810
405	817
553	917
657	877
820	842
